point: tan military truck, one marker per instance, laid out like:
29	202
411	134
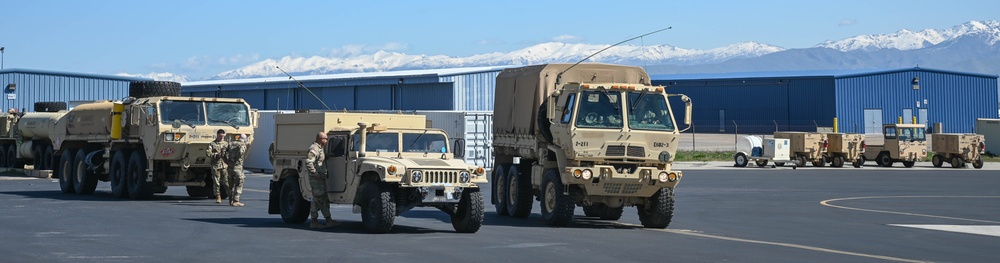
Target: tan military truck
24	137
904	143
958	149
845	148
806	147
147	142
383	164
595	135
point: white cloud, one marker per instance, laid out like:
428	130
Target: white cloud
489	42
568	38
161	76
847	22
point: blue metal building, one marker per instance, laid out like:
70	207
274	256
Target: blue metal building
23	87
460	89
762	102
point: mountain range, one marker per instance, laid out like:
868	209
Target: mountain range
969	47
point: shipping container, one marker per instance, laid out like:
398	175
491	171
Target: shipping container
257	156
990	129
475	127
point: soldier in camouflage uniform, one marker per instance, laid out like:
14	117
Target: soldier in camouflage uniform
317	179
216	153
234	159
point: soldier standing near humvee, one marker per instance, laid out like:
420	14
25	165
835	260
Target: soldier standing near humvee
216	152
237	149
317	179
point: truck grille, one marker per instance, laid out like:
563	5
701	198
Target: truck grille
636	151
618	150
441	177
631	188
615	151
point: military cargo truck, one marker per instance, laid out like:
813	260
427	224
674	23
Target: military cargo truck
958	149
595	135
382	164
845	148
806	147
904	143
147	142
24	137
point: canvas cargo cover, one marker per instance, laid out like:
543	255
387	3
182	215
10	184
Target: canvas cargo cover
295	132
520	91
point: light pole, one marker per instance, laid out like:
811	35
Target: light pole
1	57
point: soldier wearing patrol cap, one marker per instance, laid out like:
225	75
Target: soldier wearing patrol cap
216	154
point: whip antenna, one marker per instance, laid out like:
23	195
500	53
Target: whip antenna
558	77
303	87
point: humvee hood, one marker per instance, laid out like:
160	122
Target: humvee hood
422	163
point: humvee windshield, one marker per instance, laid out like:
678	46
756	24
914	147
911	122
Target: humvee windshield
648	112
194	113
424	142
600	109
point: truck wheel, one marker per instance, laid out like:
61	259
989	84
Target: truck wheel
884	160
378	208
779	163
519	194
937	160
801	161
294	208
138	188
65	169
12	159
48	159
544	126
3	157
143	89
838	161
761	162
468	217
978	163
84	178
658	210
819	162
908	164
557	208
859	162
956	162
117	172
50	106
741	159
499	186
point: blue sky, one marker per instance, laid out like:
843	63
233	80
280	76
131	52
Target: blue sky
203	38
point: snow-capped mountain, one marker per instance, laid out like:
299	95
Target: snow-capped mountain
910	40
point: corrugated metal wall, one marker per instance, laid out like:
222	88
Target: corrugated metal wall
953	99
33	87
474	91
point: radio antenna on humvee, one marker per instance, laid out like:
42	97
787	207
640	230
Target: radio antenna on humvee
303	87
559	76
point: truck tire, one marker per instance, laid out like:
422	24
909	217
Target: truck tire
761	162
138	188
838	161
65	168
294	209
48	159
779	164
12	159
937	160
741	159
801	161
84	179
603	212
884	160
143	89
859	162
468	216
659	210
378	208
519	197
819	162
956	162
50	106
118	174
908	164
544	126
557	208
978	163
3	157
499	188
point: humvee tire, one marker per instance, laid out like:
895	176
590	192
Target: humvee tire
937	160
557	208
468	216
118	175
294	209
138	188
143	89
978	163
85	181
499	198
50	106
65	167
519	197
378	208
660	211
741	160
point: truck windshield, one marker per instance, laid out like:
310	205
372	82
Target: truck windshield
186	112
600	109
378	142
648	112
914	134
424	142
228	113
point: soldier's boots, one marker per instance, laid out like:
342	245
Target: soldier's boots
218	199
331	222
236	203
315	223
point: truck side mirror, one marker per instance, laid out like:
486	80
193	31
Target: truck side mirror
687	111
254	114
459	148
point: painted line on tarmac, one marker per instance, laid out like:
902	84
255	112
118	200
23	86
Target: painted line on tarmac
976	229
827	203
255	190
780	244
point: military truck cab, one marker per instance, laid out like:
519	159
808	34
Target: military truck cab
382	164
905	143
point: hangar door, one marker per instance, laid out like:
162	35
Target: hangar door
873	121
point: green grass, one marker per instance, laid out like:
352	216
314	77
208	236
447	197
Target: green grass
703	156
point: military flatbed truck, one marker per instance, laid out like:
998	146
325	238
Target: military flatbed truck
382	164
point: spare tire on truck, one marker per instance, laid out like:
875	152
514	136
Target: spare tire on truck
50	106
143	89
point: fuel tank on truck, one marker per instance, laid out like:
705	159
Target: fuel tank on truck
38	125
89	119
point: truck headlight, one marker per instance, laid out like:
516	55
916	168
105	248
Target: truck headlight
664	177
168	137
416	176
463	177
587	174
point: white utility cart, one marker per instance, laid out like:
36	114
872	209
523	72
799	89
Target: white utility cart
760	151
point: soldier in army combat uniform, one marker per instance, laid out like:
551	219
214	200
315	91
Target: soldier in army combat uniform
216	153
234	159
317	179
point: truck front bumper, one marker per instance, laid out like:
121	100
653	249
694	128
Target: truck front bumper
605	180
